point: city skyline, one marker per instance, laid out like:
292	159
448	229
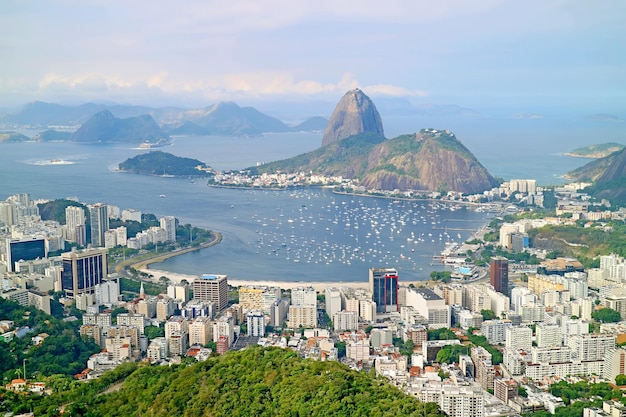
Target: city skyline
482	54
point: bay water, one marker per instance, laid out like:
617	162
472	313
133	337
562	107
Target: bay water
310	235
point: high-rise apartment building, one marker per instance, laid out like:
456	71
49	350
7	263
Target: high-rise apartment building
211	287
99	223
302	316
168	223
429	306
75	225
251	297
384	286
24	250
200	331
518	337
333	299
82	271
505	389
256	323
548	335
499	274
614	363
304	296
345	320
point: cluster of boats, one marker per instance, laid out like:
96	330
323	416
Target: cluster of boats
358	230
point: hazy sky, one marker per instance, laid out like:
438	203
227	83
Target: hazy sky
196	52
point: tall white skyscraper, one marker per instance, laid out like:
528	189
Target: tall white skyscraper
75	225
168	223
99	223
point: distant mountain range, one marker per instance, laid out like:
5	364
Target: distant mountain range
353	146
224	118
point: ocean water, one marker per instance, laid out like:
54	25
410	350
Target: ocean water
305	235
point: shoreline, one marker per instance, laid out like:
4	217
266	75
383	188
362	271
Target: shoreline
144	264
430	200
319	286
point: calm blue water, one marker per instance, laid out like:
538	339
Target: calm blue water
310	235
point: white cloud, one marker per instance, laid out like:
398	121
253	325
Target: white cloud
394	91
224	87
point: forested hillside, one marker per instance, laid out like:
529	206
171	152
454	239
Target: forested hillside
253	382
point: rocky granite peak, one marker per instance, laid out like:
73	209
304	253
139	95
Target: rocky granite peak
354	114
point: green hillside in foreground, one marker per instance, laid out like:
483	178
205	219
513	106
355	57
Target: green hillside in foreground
255	382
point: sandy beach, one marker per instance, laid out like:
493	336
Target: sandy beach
286	285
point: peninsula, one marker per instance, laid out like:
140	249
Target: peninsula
596	151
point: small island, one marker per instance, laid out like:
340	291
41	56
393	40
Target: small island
165	164
596	151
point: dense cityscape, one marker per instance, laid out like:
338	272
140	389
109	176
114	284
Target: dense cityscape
305	209
487	336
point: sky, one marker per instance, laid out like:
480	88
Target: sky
481	54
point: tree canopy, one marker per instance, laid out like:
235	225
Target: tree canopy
606	315
253	382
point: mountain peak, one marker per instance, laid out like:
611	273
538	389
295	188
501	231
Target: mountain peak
103	127
354	114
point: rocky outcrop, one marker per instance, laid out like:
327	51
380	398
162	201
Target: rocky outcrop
354	114
354	146
430	160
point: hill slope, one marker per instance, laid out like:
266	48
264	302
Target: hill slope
13	137
257	382
227	118
430	160
52	135
346	158
608	175
103	127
